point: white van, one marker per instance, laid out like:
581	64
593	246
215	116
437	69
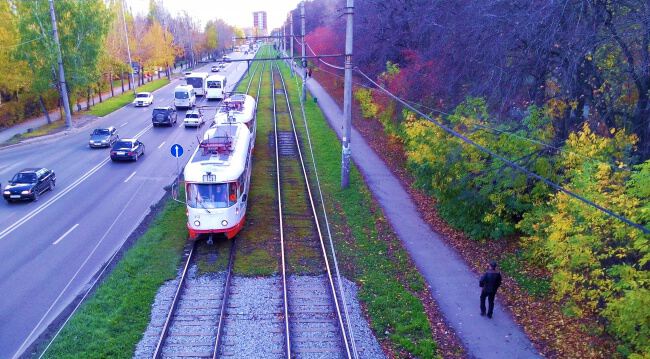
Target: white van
184	96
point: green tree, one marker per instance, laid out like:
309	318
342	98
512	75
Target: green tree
82	28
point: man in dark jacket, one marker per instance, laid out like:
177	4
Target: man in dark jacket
490	282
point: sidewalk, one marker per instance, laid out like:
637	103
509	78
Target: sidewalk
55	115
453	285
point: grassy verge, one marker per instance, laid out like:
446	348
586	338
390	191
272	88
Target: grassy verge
117	102
53	127
388	281
111	322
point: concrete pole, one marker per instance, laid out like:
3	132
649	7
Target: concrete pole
302	38
64	89
291	40
347	97
128	49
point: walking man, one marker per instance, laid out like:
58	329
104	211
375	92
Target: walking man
490	282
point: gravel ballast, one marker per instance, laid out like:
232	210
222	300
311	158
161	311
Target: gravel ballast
254	325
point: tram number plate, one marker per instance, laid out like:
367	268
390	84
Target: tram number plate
209	178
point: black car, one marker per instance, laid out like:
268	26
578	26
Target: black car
127	149
103	137
29	184
164	116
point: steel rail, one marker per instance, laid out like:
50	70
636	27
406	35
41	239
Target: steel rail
163	334
224	300
283	261
355	352
315	214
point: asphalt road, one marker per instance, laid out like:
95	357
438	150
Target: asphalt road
51	249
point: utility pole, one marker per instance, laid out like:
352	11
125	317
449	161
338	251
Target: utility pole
347	98
302	38
291	40
128	49
64	89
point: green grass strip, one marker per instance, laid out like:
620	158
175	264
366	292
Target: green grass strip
111	322
117	102
387	279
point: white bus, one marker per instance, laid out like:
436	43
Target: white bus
216	87
198	81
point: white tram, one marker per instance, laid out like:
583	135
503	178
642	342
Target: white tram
239	108
217	180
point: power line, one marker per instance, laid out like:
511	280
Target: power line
508	162
21	43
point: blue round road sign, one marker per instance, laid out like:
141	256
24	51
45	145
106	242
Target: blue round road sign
177	150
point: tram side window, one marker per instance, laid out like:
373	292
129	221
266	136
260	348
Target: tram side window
232	197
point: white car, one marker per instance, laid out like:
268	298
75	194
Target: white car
193	118
143	99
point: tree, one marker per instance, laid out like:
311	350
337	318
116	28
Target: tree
81	41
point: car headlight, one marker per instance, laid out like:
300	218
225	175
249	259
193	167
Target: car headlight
25	192
224	223
103	141
197	223
7	192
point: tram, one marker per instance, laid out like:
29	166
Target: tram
240	108
217	179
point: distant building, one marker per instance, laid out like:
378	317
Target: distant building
259	23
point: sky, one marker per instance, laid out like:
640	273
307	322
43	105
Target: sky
235	12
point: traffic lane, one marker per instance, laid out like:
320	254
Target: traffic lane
58	274
69	156
175	138
153	172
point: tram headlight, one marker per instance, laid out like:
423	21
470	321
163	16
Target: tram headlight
224	223
197	223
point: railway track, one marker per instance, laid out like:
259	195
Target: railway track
314	319
192	330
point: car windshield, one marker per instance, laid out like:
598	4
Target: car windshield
196	82
144	95
101	131
214	84
191	115
24	178
208	196
181	95
123	144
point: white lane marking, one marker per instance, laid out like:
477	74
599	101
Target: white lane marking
66	233
160	146
101	240
56	197
128	178
124	124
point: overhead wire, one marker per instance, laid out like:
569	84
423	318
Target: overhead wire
507	161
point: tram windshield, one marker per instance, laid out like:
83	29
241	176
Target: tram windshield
212	195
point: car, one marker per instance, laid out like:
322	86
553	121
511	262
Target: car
222	65
29	184
103	137
226	58
215	68
143	99
127	149
193	118
164	116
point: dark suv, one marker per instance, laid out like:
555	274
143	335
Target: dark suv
164	116
29	184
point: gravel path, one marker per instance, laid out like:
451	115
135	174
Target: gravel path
254	326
